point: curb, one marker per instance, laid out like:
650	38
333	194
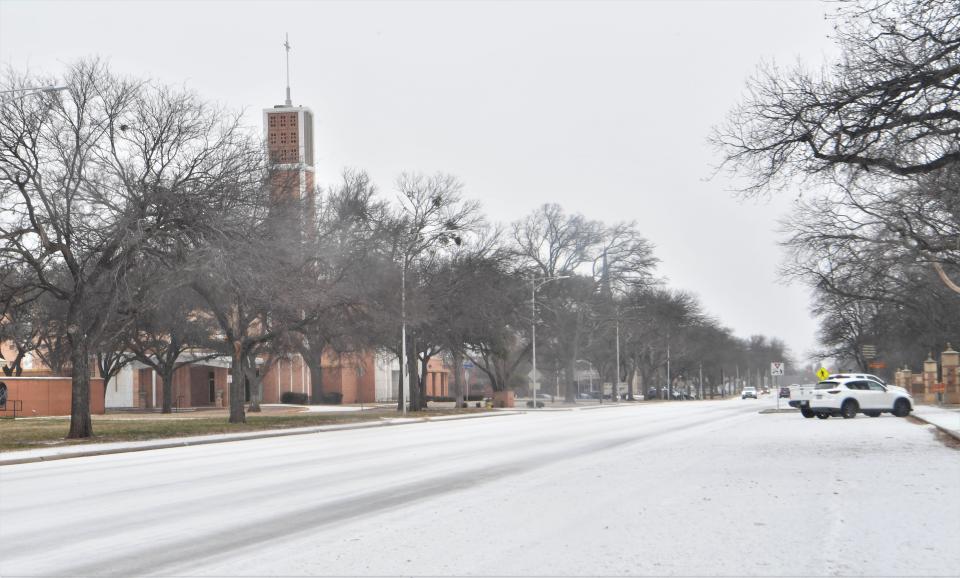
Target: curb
525	409
256	436
954	434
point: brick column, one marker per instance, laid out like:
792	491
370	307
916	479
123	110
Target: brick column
907	376
929	378
950	365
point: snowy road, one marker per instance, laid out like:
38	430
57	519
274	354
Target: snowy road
693	488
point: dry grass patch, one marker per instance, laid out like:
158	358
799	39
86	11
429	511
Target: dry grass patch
29	433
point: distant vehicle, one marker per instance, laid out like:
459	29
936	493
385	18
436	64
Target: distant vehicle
544	396
748	392
585	395
849	396
785	392
765	391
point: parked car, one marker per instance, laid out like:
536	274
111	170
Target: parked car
544	396
802	395
785	392
748	392
849	396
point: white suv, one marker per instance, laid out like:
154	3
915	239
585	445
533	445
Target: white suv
846	396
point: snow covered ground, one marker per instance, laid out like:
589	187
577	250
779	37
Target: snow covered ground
945	417
691	488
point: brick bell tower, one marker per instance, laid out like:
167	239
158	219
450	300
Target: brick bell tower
289	136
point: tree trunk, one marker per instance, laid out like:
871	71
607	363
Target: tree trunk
630	376
81	425
15	369
571	377
314	363
236	388
422	379
413	377
458	380
254	382
571	370
400	398
166	378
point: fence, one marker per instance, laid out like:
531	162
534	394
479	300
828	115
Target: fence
937	379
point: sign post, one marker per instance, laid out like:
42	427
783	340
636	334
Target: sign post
776	369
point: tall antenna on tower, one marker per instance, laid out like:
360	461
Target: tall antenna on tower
286	45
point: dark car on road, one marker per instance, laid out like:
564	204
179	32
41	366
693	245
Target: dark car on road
785	392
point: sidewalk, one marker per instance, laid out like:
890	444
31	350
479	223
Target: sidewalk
946	419
83	450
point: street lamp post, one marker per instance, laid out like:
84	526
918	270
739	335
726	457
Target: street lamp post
669	383
30	91
536	283
617	384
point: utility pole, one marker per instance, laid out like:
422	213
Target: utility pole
617	384
701	380
669	381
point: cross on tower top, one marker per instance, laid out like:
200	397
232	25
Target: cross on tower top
286	45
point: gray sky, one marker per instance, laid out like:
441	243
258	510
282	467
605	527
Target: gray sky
601	107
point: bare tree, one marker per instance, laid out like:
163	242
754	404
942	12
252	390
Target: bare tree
351	249
169	332
432	214
254	292
601	260
881	121
474	304
889	104
95	179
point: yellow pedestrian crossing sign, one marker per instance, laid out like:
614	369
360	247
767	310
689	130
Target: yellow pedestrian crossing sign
822	373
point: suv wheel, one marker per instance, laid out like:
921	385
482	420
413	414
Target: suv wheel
849	409
806	412
901	408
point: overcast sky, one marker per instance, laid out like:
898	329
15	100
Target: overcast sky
603	108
